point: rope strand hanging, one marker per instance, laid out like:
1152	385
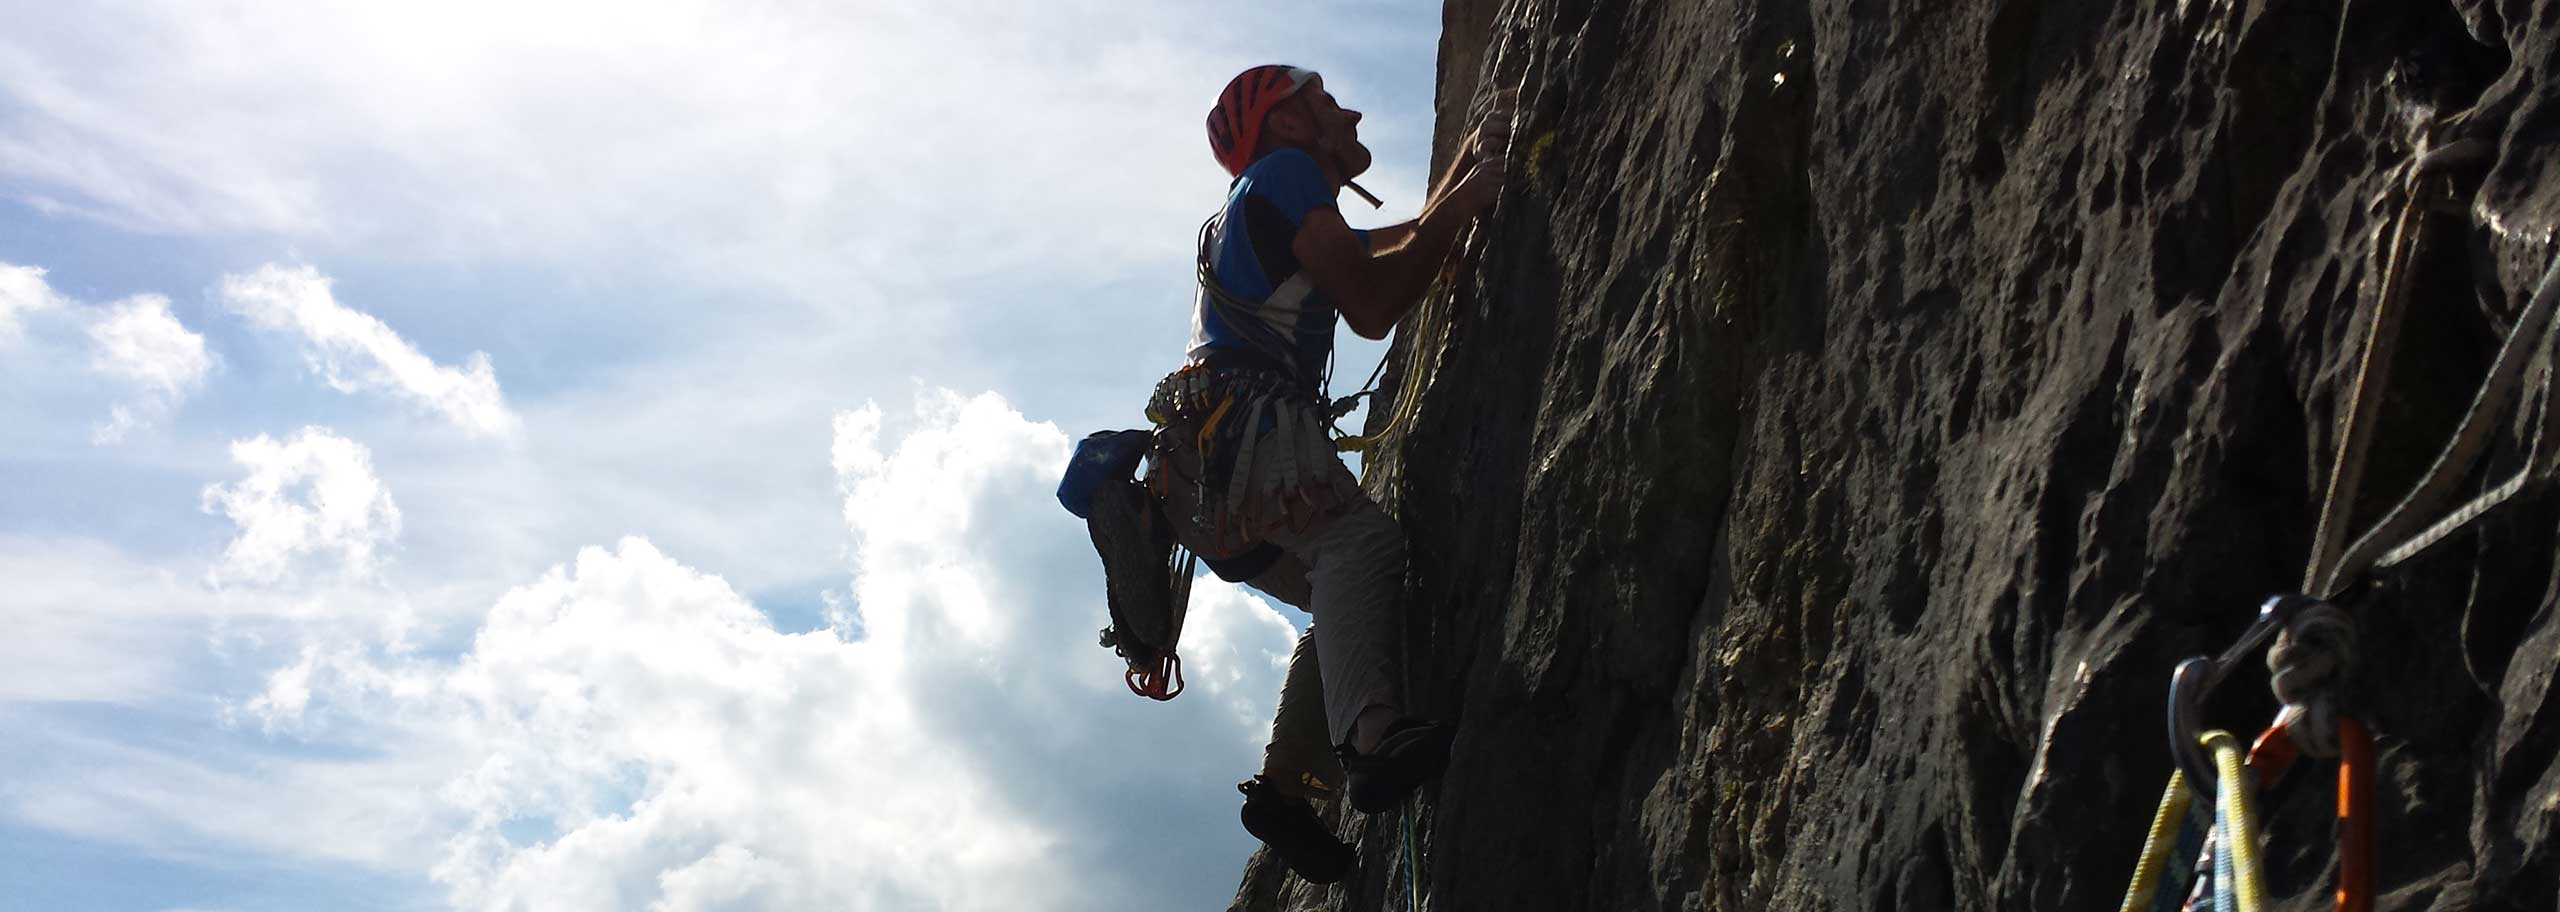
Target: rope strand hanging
2404	531
1427	343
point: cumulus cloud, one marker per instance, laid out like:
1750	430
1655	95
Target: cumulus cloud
354	350
663	738
23	291
630	732
139	342
671	748
309	502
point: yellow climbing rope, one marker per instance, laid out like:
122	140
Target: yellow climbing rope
2157	846
1427	331
2238	820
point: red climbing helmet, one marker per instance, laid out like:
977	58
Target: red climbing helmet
1235	125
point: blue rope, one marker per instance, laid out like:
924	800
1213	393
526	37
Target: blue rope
2226	880
2200	895
2179	873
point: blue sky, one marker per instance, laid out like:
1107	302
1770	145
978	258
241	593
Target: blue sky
597	455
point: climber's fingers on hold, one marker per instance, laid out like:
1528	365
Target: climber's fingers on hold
1483	183
1492	133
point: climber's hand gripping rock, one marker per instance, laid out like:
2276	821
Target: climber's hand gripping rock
1482	161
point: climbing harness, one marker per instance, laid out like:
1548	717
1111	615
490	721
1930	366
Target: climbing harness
1264	462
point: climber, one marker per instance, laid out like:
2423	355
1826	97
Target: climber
1243	463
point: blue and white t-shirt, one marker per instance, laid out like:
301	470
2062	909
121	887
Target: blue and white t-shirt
1252	258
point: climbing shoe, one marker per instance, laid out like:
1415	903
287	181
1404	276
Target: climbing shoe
1289	825
1412	752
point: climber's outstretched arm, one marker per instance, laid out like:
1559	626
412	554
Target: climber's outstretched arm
1389	237
1375	284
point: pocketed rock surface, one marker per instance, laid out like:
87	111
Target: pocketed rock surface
1856	408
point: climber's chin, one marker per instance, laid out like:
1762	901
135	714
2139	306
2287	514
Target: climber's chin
1352	159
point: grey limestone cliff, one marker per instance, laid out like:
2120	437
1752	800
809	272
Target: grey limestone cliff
1857	407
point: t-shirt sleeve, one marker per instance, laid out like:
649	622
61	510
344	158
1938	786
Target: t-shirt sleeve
1293	184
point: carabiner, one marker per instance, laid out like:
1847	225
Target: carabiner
2197	678
1161	683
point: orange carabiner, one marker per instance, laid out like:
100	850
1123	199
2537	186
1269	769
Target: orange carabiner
2273	755
1161	683
2355	816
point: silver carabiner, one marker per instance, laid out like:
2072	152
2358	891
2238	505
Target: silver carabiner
2197	678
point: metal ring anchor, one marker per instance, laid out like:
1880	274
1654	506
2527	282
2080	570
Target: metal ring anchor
2197	678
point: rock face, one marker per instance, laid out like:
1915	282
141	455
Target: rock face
1857	408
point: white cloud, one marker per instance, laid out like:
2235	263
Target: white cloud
89	623
628	732
208	799
139	342
817	146
309	497
353	350
973	750
23	291
95	623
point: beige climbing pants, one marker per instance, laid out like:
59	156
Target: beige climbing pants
1345	567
